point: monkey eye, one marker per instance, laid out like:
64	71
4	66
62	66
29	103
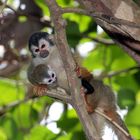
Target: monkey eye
52	75
50	81
36	50
42	46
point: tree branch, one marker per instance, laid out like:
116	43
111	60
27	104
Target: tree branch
61	95
105	17
101	40
69	65
75	10
6	108
58	94
127	36
120	72
11	8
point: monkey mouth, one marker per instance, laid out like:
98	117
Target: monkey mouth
44	53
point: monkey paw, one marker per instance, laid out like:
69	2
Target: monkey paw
78	70
89	108
39	90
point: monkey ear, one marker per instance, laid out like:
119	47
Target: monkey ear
51	36
51	39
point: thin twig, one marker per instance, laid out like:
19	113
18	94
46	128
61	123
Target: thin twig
5	108
75	10
9	7
101	40
12	81
120	72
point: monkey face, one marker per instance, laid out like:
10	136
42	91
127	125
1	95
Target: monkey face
40	44
51	79
42	74
42	50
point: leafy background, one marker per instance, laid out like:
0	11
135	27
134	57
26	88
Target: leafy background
20	118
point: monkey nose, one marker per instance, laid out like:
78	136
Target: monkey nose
44	53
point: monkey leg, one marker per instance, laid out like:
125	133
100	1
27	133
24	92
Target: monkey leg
89	107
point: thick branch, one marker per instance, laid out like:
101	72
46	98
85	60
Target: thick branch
105	17
113	25
61	95
74	84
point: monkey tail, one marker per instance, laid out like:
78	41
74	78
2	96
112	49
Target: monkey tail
118	126
113	121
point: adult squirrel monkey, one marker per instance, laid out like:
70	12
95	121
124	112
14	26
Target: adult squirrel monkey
47	71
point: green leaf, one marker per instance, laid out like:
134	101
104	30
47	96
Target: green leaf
9	127
126	98
126	81
22	18
94	59
120	59
132	117
87	25
108	58
2	135
64	3
90	27
78	135
38	104
22	115
40	133
67	124
73	33
69	121
137	76
43	6
85	20
135	131
10	92
65	137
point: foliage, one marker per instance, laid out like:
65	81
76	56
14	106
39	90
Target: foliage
22	122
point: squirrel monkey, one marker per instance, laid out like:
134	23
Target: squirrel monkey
103	99
46	71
